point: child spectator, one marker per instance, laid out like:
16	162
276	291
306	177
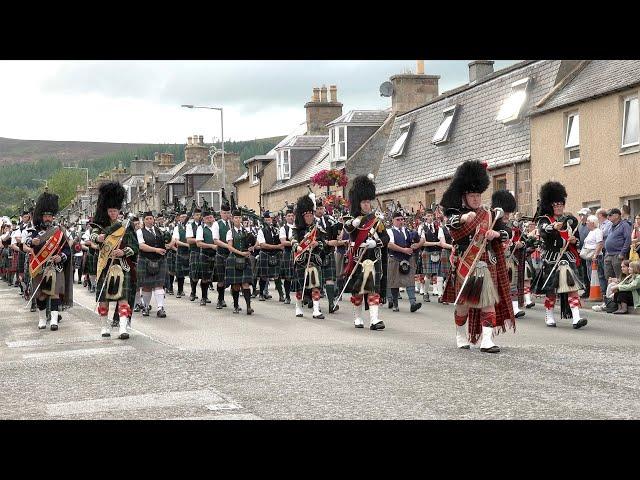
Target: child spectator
627	292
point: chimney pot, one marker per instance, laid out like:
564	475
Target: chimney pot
201	138
333	91
316	95
420	69
188	140
478	69
323	94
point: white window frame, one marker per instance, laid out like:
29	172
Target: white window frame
254	173
625	102
504	115
212	193
281	174
401	142
335	142
570	148
445	125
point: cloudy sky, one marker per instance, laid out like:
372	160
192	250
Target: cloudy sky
139	101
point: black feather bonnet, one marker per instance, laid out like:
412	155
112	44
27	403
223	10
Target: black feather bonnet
362	188
110	195
470	177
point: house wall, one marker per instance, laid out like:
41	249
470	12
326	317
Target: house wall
275	201
606	174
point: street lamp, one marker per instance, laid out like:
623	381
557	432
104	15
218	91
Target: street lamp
224	178
82	168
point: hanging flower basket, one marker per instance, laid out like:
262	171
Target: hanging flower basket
330	178
335	203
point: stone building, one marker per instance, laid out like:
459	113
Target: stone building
585	134
486	119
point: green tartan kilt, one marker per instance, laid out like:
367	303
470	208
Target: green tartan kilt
21	262
269	271
171	261
234	276
145	279
92	263
429	267
329	267
182	262
126	288
299	269
253	261
208	263
220	267
286	265
195	266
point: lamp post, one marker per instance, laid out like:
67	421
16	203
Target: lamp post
224	178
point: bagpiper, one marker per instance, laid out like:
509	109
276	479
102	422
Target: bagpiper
51	266
270	257
558	275
513	247
171	252
402	262
287	266
238	269
365	260
117	257
478	284
220	230
430	236
179	238
151	268
330	228
195	268
307	243
204	241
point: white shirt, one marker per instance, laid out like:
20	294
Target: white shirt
190	233
593	238
140	237
283	232
200	231
402	230
230	233
14	234
216	229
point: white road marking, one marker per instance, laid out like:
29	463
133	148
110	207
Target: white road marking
137	402
80	352
52	341
223	406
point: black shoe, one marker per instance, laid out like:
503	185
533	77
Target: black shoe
581	323
236	309
465	347
208	301
261	298
377	326
249	310
268	297
106	335
32	309
54	327
395	306
530	305
426	298
203	302
161	313
334	308
359	326
123	336
169	292
136	308
254	294
218	306
193	297
179	294
281	299
611	307
145	312
494	349
415	306
520	314
319	317
224	304
287	301
390	305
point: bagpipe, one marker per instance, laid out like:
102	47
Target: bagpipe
305	245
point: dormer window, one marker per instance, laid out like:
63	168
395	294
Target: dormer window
284	165
398	146
254	173
572	139
512	107
442	134
338	139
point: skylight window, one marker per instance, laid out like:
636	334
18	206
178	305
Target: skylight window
442	134
398	146
512	107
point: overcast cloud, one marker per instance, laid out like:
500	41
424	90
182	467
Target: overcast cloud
139	101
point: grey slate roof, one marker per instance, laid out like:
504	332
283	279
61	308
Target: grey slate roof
362	117
475	134
306	141
259	158
176	180
241	178
320	161
597	78
207	169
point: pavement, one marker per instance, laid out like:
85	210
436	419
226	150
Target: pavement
208	364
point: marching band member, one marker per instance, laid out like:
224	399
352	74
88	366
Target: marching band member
402	262
330	227
238	269
287	267
152	265
179	239
204	241
195	268
220	230
270	257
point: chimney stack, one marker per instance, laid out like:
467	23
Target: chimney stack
478	69
320	111
333	92
412	91
316	95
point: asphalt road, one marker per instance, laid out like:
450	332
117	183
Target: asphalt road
203	363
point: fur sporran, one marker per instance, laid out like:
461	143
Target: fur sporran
273	260
434	257
405	267
115	282
567	281
480	290
313	277
153	267
48	286
240	263
368	277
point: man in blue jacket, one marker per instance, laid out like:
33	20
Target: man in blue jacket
616	245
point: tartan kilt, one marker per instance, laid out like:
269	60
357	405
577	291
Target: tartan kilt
233	276
299	269
145	280
220	267
429	267
395	279
127	288
286	265
13	262
445	264
77	262
208	267
171	261
329	267
356	279
182	262
21	261
264	270
195	266
92	264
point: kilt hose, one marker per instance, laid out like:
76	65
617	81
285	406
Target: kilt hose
220	265
208	263
234	275
265	268
145	278
445	263
395	279
128	286
171	261
182	262
195	267
329	267
430	267
286	265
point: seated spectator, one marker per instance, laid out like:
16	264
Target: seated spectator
627	292
634	254
610	304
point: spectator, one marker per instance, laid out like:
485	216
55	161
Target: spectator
584	269
616	244
634	254
627	292
610	304
604	225
592	246
626	214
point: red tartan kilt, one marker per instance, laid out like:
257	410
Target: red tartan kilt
13	265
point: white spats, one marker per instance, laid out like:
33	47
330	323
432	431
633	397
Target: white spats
123	328
516	307
42	319
106	326
575	314
54	320
439	287
316	308
461	336
299	312
548	317
373	313
146	298
357	316
487	338
159	294
527	299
